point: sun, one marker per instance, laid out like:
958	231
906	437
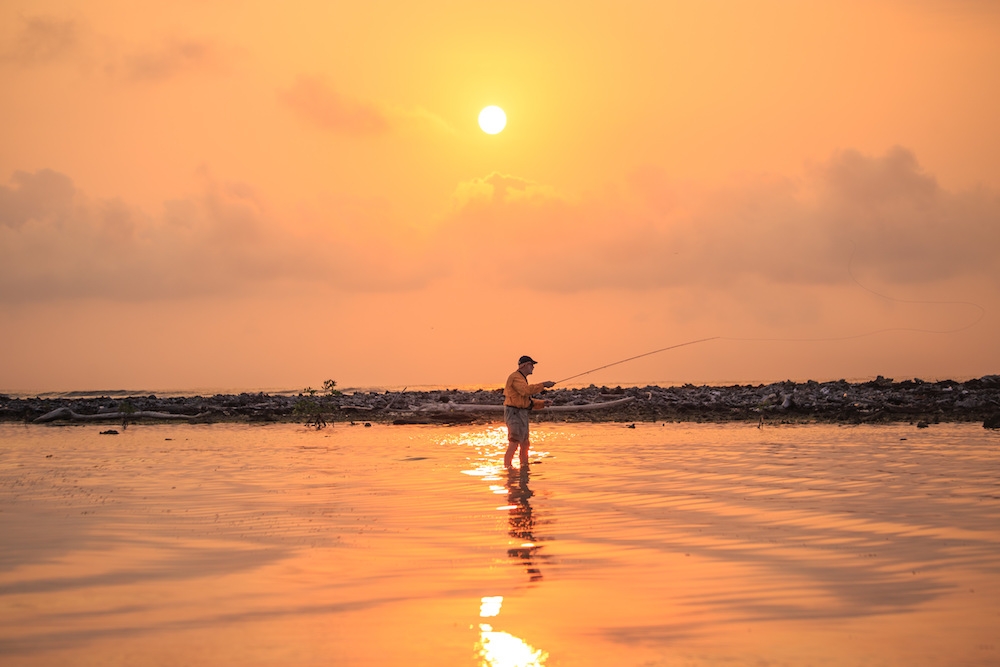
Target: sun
492	119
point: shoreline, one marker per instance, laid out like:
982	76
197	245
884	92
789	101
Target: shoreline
881	400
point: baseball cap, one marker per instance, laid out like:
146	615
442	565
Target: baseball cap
526	360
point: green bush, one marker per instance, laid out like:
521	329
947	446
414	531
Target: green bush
314	408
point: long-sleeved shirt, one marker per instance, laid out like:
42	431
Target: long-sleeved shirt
517	393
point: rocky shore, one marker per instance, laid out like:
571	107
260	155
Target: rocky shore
879	401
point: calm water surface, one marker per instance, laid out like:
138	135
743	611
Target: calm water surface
659	545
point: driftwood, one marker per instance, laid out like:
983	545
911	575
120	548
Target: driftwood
66	413
475	407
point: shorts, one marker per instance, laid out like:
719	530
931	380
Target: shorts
517	423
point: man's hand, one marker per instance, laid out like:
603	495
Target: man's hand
548	383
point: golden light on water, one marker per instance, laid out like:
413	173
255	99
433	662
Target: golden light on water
703	544
502	649
490	606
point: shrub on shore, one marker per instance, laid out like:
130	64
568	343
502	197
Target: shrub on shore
314	407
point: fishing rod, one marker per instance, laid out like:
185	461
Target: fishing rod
638	356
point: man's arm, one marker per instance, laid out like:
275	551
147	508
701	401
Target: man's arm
519	386
538	403
538	387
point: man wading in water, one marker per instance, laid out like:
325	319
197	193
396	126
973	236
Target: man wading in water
518	404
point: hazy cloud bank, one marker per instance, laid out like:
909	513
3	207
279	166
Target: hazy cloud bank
57	243
883	218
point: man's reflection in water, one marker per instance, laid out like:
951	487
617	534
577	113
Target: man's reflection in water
522	521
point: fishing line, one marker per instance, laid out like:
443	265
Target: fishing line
982	313
850	272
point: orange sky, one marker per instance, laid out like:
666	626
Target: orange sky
242	195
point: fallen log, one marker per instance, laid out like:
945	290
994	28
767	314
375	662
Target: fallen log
476	407
66	413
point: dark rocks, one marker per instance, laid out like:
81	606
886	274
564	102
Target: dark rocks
993	421
879	401
880	382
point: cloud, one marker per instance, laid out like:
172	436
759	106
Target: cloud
57	243
43	39
907	228
883	215
315	101
500	189
46	194
869	182
174	56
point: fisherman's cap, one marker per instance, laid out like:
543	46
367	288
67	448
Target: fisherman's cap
526	360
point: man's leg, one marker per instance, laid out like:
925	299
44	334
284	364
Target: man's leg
517	434
524	453
508	458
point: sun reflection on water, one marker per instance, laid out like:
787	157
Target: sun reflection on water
502	649
497	648
490	606
489	445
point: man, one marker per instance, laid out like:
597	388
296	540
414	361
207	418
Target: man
518	404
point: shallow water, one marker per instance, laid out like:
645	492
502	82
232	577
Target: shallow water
659	545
